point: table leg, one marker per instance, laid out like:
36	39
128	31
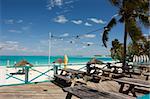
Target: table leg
61	72
111	75
69	95
147	77
133	92
121	87
131	88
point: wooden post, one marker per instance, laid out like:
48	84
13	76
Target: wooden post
55	68
69	95
121	87
26	74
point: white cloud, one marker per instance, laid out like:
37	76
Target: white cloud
14	46
68	2
25	28
87	43
84	46
89	36
77	21
58	2
15	31
64	35
10	21
52	3
98	21
61	19
19	21
12	42
9	45
87	24
91	43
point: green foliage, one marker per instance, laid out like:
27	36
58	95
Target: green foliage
138	49
142	48
117	50
130	12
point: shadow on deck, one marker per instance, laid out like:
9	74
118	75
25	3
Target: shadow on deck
49	90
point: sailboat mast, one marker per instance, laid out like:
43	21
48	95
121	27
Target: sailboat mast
49	51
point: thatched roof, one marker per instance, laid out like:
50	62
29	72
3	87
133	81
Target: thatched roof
95	61
23	63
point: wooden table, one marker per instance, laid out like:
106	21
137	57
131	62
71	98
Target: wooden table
145	67
70	78
84	92
132	83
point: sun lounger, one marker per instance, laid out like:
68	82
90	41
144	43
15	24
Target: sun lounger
19	72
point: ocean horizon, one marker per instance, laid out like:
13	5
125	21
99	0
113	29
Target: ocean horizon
37	60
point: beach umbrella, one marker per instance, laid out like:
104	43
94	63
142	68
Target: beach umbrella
137	59
23	63
141	57
65	61
144	58
59	60
95	61
134	58
147	58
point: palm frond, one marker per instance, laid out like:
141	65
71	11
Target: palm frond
134	31
107	29
111	23
115	2
105	37
141	5
144	19
121	20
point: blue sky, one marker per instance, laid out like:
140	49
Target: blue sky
25	25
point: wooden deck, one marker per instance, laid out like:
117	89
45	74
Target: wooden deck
49	90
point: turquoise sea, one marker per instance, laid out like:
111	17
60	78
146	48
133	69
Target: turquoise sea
44	59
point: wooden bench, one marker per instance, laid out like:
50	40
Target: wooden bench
132	84
111	73
84	92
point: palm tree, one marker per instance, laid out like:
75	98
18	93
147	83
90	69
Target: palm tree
117	50
131	13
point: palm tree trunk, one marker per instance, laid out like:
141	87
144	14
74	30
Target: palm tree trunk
125	44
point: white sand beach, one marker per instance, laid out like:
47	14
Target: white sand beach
36	73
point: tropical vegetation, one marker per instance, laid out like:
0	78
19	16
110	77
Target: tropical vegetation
132	14
117	50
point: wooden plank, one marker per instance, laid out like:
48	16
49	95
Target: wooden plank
62	77
136	82
146	74
84	92
73	71
106	70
